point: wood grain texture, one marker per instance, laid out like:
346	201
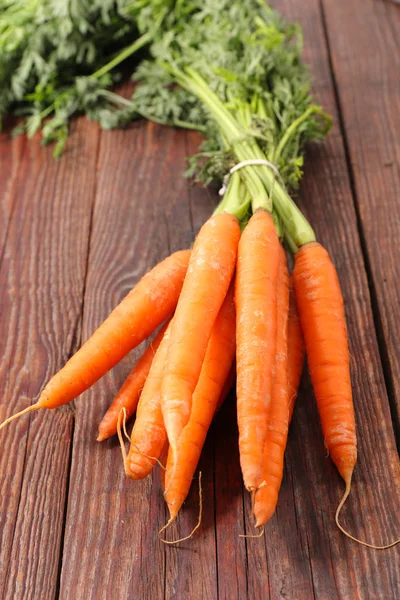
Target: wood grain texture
338	565
365	53
11	150
41	280
229	494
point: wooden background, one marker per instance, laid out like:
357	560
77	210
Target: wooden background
75	235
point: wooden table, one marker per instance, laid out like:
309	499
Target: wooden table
76	234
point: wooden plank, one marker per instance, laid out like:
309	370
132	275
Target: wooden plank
340	567
10	158
229	517
365	50
41	281
111	540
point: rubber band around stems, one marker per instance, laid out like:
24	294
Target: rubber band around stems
265	163
247	163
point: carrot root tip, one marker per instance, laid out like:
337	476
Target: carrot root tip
259	523
195	528
25	411
346	533
256	535
122	413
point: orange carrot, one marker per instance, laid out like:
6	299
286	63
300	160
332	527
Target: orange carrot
147	305
296	349
256	277
209	273
321	310
129	394
163	461
266	496
214	374
148	436
320	304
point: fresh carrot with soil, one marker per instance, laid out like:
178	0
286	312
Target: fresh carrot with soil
209	274
129	394
266	496
211	389
146	306
255	297
148	436
296	349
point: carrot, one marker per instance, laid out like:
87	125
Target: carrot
321	311
163	461
208	395
209	273
296	349
147	305
256	277
148	436
266	496
129	394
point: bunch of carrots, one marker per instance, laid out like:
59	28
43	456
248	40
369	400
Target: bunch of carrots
228	308
229	297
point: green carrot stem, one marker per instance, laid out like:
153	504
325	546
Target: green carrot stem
230	130
290	243
134	47
294	222
236	200
229	200
263	196
126	53
278	225
291	130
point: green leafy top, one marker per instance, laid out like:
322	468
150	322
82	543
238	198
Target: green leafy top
251	59
49	50
58	58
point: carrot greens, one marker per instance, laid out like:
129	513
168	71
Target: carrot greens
240	65
59	59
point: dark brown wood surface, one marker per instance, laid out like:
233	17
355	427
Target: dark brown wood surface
75	235
42	277
365	54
